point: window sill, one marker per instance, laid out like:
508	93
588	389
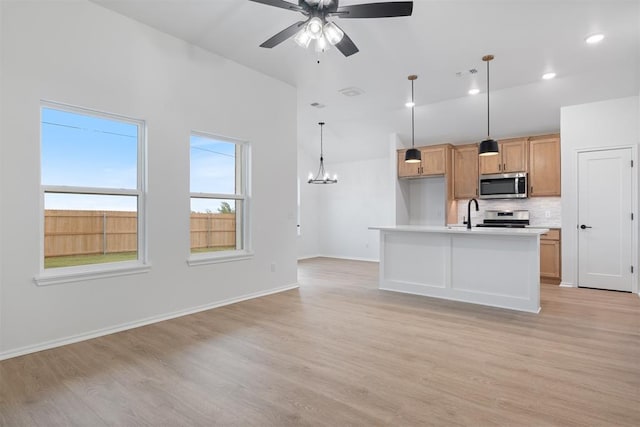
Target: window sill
203	259
77	274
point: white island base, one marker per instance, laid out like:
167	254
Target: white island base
489	266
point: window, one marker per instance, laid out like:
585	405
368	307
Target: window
92	182
219	199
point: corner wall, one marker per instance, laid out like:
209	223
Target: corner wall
599	124
81	54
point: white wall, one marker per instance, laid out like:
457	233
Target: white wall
427	200
81	54
599	124
1	156
309	238
362	198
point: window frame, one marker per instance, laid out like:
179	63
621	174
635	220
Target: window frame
243	194
76	273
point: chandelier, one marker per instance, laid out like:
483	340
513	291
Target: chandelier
322	177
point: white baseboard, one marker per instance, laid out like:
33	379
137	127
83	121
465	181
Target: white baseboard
338	257
567	285
136	324
308	257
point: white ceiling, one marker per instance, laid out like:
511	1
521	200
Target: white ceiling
440	39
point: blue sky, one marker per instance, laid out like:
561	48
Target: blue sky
87	151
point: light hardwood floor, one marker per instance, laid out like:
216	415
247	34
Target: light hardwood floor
340	352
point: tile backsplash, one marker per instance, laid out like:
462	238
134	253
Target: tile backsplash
543	211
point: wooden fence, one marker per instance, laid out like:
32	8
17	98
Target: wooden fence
75	232
213	230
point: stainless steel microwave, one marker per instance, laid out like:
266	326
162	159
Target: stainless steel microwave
503	186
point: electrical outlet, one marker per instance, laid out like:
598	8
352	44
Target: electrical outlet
547	214
273	267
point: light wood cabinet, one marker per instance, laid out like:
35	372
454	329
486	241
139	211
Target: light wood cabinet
550	265
544	165
407	170
512	157
434	162
465	171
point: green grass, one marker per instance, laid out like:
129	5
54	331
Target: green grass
73	260
217	249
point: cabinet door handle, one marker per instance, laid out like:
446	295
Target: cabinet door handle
504	167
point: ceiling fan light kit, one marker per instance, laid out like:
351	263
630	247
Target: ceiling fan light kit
303	39
314	28
333	33
488	147
326	33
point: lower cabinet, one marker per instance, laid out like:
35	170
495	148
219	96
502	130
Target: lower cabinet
550	256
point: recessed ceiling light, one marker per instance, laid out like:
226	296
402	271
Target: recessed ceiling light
351	91
548	76
594	38
474	91
410	104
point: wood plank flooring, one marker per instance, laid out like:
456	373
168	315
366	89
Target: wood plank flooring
340	352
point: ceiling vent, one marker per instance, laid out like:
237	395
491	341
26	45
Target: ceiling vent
471	71
317	105
351	91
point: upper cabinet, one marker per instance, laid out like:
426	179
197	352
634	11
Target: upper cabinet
434	159
544	165
434	162
407	170
465	171
512	157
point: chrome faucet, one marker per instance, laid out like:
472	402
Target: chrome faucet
469	212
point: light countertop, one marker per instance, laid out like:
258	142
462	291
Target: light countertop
454	229
526	226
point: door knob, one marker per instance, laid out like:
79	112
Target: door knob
585	226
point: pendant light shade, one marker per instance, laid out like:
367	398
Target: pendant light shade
322	177
488	147
413	155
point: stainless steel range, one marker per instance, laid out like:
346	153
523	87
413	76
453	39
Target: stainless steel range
505	219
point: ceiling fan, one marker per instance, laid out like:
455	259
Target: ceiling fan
317	27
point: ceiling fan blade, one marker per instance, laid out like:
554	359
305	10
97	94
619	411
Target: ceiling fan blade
281	4
376	10
346	45
283	35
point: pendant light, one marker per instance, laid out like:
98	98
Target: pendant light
489	146
322	177
412	155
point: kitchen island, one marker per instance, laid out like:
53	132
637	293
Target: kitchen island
492	266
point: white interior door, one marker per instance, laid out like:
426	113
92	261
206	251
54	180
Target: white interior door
604	219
